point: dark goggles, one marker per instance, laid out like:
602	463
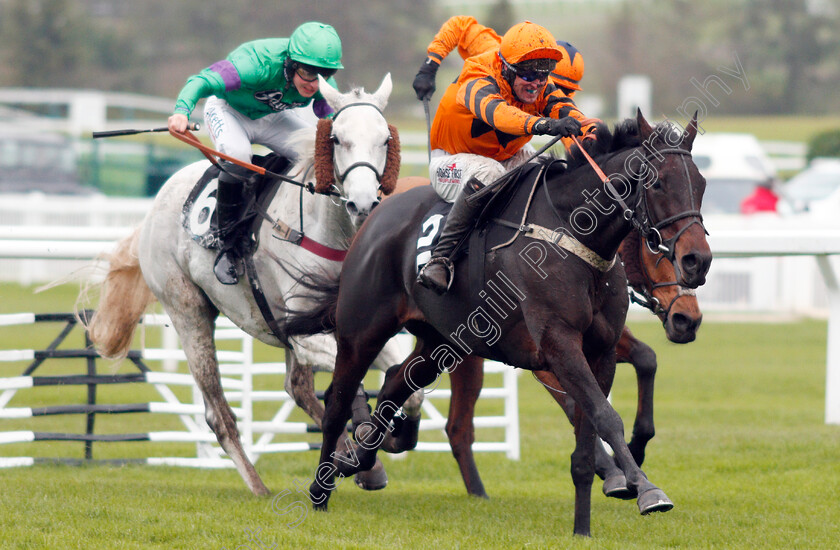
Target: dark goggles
308	73
528	75
533	76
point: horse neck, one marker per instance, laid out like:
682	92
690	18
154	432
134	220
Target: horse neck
587	211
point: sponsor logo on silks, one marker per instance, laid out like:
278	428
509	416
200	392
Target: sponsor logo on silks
449	174
273	98
215	123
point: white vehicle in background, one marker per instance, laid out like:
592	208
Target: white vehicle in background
815	189
733	165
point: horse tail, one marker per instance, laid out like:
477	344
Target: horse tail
123	298
321	301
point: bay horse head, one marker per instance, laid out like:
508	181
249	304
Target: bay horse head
667	211
651	277
357	153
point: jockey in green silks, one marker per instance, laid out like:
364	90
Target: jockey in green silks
254	96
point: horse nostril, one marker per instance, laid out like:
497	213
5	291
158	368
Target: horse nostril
375	204
686	323
689	263
352	209
680	322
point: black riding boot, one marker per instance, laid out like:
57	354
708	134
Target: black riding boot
438	274
229	202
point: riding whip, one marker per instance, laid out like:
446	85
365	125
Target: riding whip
194	126
213	155
428	127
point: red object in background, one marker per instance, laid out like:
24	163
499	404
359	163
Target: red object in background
761	200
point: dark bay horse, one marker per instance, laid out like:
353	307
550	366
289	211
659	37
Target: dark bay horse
653	281
554	299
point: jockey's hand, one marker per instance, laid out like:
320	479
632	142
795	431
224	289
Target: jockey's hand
564	127
424	82
178	123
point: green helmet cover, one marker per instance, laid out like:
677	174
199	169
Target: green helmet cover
316	44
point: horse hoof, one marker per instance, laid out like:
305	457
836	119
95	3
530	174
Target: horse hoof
373	479
616	487
654	500
318	497
404	436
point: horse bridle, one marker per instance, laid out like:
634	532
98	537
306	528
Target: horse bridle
666	247
340	176
643	223
645	297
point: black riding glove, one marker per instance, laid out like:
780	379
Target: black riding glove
424	82
564	127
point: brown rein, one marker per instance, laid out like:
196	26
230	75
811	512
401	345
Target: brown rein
213	156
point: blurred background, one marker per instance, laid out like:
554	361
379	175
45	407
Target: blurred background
761	73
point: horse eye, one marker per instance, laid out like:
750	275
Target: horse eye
335	140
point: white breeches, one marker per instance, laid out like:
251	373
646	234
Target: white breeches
233	133
448	173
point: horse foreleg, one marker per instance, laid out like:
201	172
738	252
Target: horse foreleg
375	478
300	385
643	359
415	373
406	430
338	410
352	361
403	433
466	382
615	484
583	472
573	370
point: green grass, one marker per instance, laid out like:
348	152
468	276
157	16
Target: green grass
741	448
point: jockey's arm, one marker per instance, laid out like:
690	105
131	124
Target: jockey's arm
204	84
462	32
481	96
560	106
465	33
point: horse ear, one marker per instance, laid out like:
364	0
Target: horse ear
324	169
392	163
645	129
690	132
381	95
332	95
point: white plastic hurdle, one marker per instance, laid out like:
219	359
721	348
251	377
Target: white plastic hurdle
238	371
